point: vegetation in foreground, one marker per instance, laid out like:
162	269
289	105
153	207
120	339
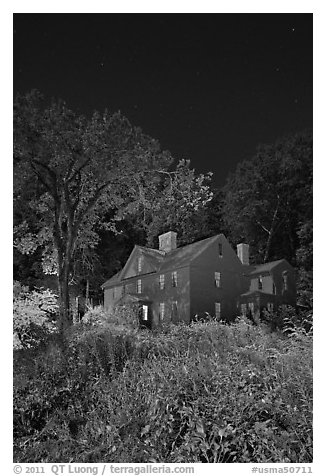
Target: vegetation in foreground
208	392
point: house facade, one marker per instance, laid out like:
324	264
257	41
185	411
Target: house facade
208	277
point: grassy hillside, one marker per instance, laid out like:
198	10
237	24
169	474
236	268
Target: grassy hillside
203	393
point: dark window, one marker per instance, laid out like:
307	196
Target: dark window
274	288
217	279
220	249
162	281
285	281
139	286
162	310
140	264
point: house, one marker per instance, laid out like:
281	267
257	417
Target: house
205	277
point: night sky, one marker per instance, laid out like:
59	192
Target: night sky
209	87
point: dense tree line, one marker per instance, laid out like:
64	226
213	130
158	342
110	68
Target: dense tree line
87	189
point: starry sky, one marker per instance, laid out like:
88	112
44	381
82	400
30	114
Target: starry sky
209	87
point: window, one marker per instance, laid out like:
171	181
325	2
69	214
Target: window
220	250
270	307
174	279
251	306
138	286
162	310
274	288
145	312
140	264
285	281
217	279
162	281
244	309
260	282
218	310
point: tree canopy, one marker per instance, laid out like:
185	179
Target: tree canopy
75	176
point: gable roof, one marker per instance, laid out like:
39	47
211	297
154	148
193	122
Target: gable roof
153	257
183	256
266	267
113	280
256	292
162	261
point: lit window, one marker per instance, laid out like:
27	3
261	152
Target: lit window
162	281
174	279
140	264
138	285
251	306
270	307
220	250
145	312
218	310
217	279
162	310
260	282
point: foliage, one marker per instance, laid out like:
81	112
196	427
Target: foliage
68	172
269	198
125	316
34	313
201	393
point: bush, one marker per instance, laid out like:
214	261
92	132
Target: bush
33	315
207	392
126	316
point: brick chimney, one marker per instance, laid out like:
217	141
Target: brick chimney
243	253
168	241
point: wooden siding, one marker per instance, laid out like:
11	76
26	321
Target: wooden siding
203	292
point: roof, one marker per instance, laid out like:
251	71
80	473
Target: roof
183	256
266	267
133	297
113	280
256	291
163	261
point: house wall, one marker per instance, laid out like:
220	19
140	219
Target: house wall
289	296
267	281
204	293
276	276
151	288
111	296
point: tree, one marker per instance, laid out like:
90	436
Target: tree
269	197
173	200
68	170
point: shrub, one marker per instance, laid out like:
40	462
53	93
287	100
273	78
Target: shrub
33	315
207	392
126	316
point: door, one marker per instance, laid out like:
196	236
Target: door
175	316
144	315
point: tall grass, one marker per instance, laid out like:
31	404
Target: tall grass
201	393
